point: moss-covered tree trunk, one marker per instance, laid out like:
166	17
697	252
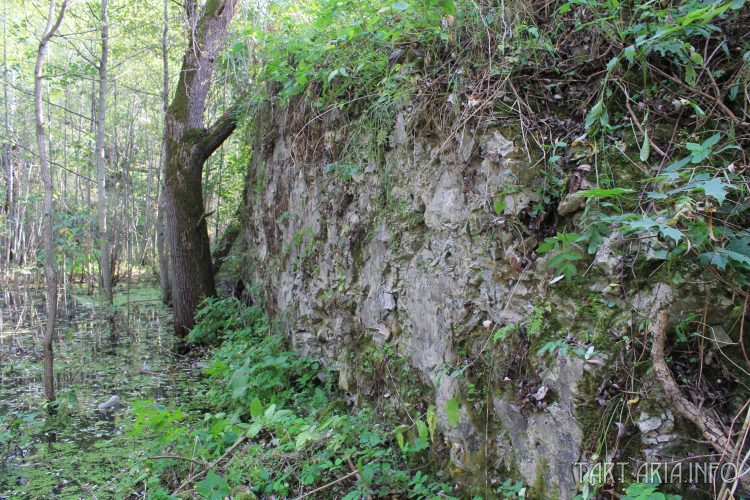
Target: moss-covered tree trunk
188	146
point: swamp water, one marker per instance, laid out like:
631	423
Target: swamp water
83	450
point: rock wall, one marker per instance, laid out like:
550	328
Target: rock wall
418	256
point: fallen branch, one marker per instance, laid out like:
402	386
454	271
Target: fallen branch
332	483
710	428
210	466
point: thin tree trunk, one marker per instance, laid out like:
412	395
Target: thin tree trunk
189	145
92	131
7	154
161	249
105	258
49	242
147	210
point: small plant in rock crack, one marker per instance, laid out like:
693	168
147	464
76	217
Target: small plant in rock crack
566	254
647	491
562	348
511	489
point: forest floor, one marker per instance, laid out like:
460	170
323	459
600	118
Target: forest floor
240	416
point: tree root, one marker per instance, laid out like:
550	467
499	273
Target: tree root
709	427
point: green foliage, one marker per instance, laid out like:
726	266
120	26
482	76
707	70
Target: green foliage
696	205
219	319
667	33
418	436
502	333
647	491
693	211
511	489
346	171
14	432
453	410
299	432
339	50
535	322
565	253
213	487
562	348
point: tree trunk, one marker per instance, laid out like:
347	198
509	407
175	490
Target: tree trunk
7	154
105	257
189	145
49	242
161	249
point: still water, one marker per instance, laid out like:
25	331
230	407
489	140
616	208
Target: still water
101	368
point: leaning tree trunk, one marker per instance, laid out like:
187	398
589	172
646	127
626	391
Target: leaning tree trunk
189	145
49	242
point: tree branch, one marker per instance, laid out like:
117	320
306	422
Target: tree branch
218	132
709	427
52	28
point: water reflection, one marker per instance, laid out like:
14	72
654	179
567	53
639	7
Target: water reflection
93	363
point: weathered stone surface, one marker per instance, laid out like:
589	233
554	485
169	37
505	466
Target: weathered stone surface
545	443
410	255
648	423
572	203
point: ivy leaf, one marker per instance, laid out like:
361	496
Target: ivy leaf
453	411
716	188
400	6
642	224
719	260
678	164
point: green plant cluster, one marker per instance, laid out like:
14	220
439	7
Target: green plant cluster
300	432
692	197
343	50
219	319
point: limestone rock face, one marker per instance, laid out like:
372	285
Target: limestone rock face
545	443
409	256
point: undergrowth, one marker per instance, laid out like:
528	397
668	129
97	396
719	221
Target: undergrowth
645	104
277	427
636	114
